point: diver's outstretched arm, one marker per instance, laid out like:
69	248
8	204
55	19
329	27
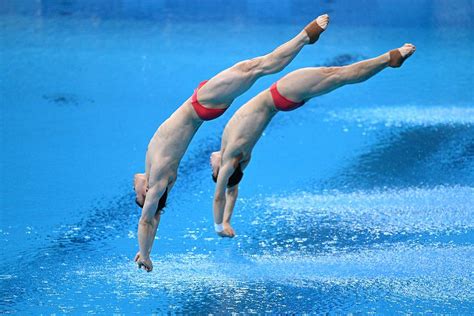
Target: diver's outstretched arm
148	224
231	195
221	221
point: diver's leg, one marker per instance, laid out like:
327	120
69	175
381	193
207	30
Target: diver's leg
306	83
224	87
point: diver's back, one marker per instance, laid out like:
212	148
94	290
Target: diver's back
249	121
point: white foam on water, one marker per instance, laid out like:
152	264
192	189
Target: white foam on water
397	260
404	115
416	271
390	211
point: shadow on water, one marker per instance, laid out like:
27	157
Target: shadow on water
65	99
103	222
310	296
415	156
198	159
342	60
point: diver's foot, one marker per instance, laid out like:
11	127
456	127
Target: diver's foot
140	187
323	21
315	28
399	55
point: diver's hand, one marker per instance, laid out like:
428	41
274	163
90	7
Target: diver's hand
144	263
228	231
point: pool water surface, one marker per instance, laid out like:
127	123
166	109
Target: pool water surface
360	201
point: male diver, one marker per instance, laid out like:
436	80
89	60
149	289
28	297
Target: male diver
290	92
209	101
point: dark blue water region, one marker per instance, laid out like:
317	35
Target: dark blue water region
424	13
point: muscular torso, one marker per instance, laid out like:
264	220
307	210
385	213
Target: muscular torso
169	143
246	127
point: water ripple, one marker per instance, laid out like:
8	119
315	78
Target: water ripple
397	116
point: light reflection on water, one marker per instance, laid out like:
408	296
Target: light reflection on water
407	115
319	223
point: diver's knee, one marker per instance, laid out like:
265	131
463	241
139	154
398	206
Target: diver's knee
333	72
335	76
249	67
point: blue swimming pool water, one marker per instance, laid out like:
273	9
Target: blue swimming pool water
361	201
